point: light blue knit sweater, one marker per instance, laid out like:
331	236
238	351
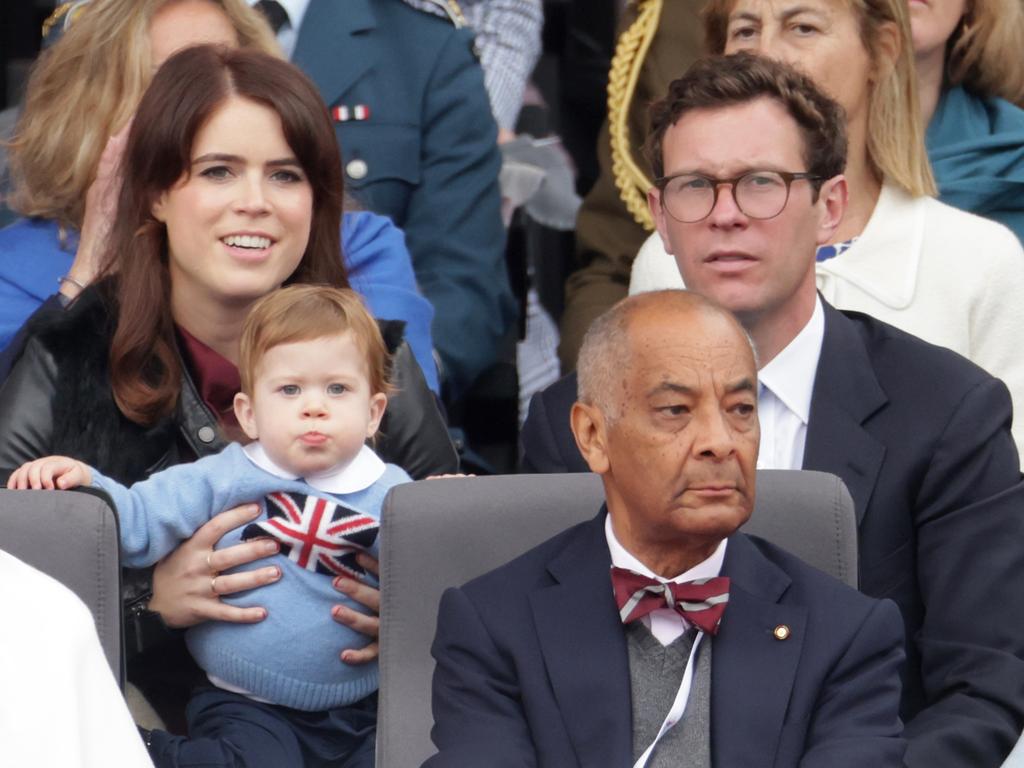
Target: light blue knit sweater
291	657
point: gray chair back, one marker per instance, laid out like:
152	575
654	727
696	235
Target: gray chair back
73	537
442	533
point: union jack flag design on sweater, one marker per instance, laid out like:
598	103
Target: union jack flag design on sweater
316	533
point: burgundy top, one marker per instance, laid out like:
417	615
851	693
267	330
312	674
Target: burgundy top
216	378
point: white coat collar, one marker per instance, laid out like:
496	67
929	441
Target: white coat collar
885	259
358	475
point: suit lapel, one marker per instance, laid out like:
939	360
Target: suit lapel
584	649
846	393
752	672
335	46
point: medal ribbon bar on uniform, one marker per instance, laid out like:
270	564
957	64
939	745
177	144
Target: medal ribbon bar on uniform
344	113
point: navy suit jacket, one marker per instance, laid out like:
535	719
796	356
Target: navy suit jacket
429	154
533	669
921	437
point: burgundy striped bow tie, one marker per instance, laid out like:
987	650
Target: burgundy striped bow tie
701	601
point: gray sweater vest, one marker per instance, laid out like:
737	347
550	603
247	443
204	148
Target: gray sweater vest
655	672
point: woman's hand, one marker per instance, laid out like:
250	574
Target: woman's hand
100	208
187	584
360	622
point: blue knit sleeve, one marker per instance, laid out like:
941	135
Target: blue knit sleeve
155	515
380	269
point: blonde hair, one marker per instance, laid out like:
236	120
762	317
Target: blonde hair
985	50
895	140
306	312
83	90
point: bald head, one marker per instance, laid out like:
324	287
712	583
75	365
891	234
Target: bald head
605	357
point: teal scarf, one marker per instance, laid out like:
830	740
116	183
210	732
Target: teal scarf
976	147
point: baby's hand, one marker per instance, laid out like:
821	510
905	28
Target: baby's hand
49	473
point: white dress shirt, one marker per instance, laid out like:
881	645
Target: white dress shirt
665	624
784	396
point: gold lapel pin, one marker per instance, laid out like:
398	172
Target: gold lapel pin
781	632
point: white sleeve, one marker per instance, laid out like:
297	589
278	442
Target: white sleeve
60	704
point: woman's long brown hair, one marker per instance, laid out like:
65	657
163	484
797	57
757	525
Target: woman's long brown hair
145	368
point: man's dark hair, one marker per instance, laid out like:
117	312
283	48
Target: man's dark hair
724	81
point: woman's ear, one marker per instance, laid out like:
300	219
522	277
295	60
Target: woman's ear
246	417
157	210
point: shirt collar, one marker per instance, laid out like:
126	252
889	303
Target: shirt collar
790	374
621	558
357	475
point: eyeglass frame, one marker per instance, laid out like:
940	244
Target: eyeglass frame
662	181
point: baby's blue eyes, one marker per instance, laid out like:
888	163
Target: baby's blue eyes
294	389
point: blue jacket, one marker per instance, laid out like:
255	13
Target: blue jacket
425	156
291	657
32	258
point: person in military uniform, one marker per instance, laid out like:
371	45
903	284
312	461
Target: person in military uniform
659	39
419	145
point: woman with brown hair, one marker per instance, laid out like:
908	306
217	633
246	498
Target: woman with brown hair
217	208
66	147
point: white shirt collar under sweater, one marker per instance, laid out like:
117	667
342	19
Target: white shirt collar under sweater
359	474
784	397
665	624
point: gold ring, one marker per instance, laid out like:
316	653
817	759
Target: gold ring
213	584
208	563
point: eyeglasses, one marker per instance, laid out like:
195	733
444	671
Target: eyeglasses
690	197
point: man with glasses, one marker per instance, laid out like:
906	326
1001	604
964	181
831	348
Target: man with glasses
749	157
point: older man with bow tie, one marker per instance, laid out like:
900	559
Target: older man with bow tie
656	634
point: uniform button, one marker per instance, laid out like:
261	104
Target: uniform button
207	435
357	169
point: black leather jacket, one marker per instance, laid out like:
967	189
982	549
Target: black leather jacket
57	400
